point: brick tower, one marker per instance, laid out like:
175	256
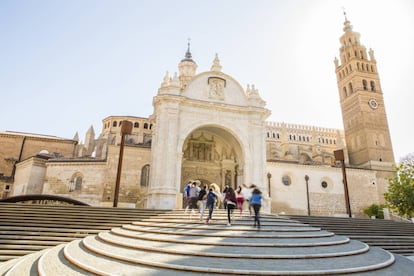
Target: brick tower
363	111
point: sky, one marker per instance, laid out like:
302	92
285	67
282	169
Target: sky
67	65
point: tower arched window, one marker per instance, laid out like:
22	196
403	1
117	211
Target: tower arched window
345	92
362	54
136	125
358	66
365	84
372	69
363	67
114	124
274	135
268	135
372	84
277	136
350	68
351	88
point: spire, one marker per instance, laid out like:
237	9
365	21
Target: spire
216	64
347	23
188	56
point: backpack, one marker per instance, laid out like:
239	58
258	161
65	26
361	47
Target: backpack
201	194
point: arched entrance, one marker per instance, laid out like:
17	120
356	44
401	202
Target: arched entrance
212	155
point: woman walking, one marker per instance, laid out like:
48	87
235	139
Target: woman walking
239	199
256	202
230	200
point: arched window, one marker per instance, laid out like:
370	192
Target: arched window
136	125
146	126
114	124
277	135
351	89
365	84
150	126
363	67
372	83
268	135
345	92
145	171
358	66
75	184
372	69
362	55
274	135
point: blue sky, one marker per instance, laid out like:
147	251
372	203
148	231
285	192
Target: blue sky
66	65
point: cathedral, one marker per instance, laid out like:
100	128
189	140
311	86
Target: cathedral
206	126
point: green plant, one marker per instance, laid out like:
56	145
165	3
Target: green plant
375	210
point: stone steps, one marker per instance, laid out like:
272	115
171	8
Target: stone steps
397	237
173	244
26	228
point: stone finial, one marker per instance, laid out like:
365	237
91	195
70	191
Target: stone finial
248	89
252	91
216	64
336	62
175	81
371	55
76	137
166	80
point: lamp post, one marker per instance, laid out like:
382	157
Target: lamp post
269	175
307	192
339	156
126	128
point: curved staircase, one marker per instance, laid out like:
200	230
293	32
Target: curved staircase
176	243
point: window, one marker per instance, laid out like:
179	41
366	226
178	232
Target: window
351	89
75	184
145	176
146	126
365	84
136	125
372	83
114	124
345	92
286	180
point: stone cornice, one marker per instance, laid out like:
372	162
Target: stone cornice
217	106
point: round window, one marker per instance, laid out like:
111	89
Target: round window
324	184
286	180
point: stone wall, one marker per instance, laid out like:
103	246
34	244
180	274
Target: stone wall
326	190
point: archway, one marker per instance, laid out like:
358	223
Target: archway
212	155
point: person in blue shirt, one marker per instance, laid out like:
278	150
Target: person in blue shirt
210	203
256	202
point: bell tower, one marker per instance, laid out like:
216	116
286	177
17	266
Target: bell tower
363	111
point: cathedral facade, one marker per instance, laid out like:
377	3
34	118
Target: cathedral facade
206	126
